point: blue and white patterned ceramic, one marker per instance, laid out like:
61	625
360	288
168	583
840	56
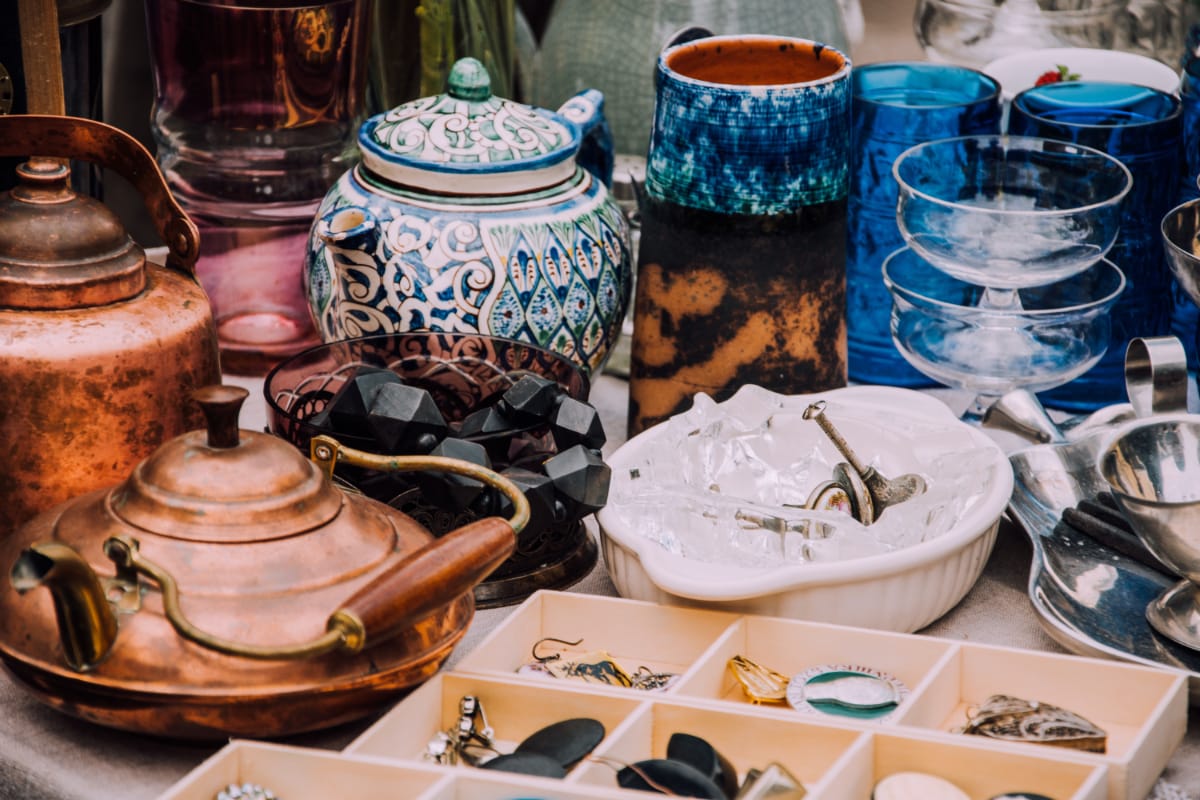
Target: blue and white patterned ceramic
470	213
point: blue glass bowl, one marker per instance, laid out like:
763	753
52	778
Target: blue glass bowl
1054	334
1009	211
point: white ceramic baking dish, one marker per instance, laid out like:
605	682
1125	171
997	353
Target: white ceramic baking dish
902	590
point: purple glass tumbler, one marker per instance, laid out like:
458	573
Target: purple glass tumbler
257	105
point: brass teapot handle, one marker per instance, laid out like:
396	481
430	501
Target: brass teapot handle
52	136
410	589
326	452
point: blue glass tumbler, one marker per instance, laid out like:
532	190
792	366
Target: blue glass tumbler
1141	127
896	105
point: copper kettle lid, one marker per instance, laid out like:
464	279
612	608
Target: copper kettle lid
225	485
59	250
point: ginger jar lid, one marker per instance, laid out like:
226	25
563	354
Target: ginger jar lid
467	141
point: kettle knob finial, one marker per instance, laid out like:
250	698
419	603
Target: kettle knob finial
221	404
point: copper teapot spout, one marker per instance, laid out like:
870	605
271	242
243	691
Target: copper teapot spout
87	624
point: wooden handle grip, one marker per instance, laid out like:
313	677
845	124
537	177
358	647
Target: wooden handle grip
41	56
430	577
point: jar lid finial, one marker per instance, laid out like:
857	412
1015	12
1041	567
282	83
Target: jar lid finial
469	80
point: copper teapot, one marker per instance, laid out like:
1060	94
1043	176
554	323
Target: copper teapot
98	345
229	588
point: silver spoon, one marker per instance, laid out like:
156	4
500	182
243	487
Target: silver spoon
884	491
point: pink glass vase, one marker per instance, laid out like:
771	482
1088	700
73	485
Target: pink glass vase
256	109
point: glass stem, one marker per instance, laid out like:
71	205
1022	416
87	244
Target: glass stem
979	405
1000	299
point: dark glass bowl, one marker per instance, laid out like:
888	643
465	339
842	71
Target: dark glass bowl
463	372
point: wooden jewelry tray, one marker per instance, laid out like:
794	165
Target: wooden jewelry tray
1143	711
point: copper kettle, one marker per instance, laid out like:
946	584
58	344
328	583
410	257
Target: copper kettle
229	588
97	346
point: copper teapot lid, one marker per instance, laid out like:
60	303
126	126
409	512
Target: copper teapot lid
225	485
59	250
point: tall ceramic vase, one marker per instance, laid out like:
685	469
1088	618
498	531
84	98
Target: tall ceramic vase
742	255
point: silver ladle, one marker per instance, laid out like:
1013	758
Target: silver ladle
883	491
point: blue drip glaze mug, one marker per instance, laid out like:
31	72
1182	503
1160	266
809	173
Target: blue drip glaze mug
728	140
741	260
897	105
1141	127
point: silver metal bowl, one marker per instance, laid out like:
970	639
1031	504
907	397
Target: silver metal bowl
1179	229
1153	470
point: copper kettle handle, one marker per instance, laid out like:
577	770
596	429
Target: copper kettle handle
51	136
407	591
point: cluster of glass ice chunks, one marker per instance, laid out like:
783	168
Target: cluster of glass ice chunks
727	483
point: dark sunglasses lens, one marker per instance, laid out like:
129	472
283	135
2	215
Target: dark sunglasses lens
704	757
567	742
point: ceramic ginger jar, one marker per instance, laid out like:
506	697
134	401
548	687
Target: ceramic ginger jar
471	213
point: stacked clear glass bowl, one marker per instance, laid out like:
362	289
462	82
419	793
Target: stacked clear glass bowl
1022	225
